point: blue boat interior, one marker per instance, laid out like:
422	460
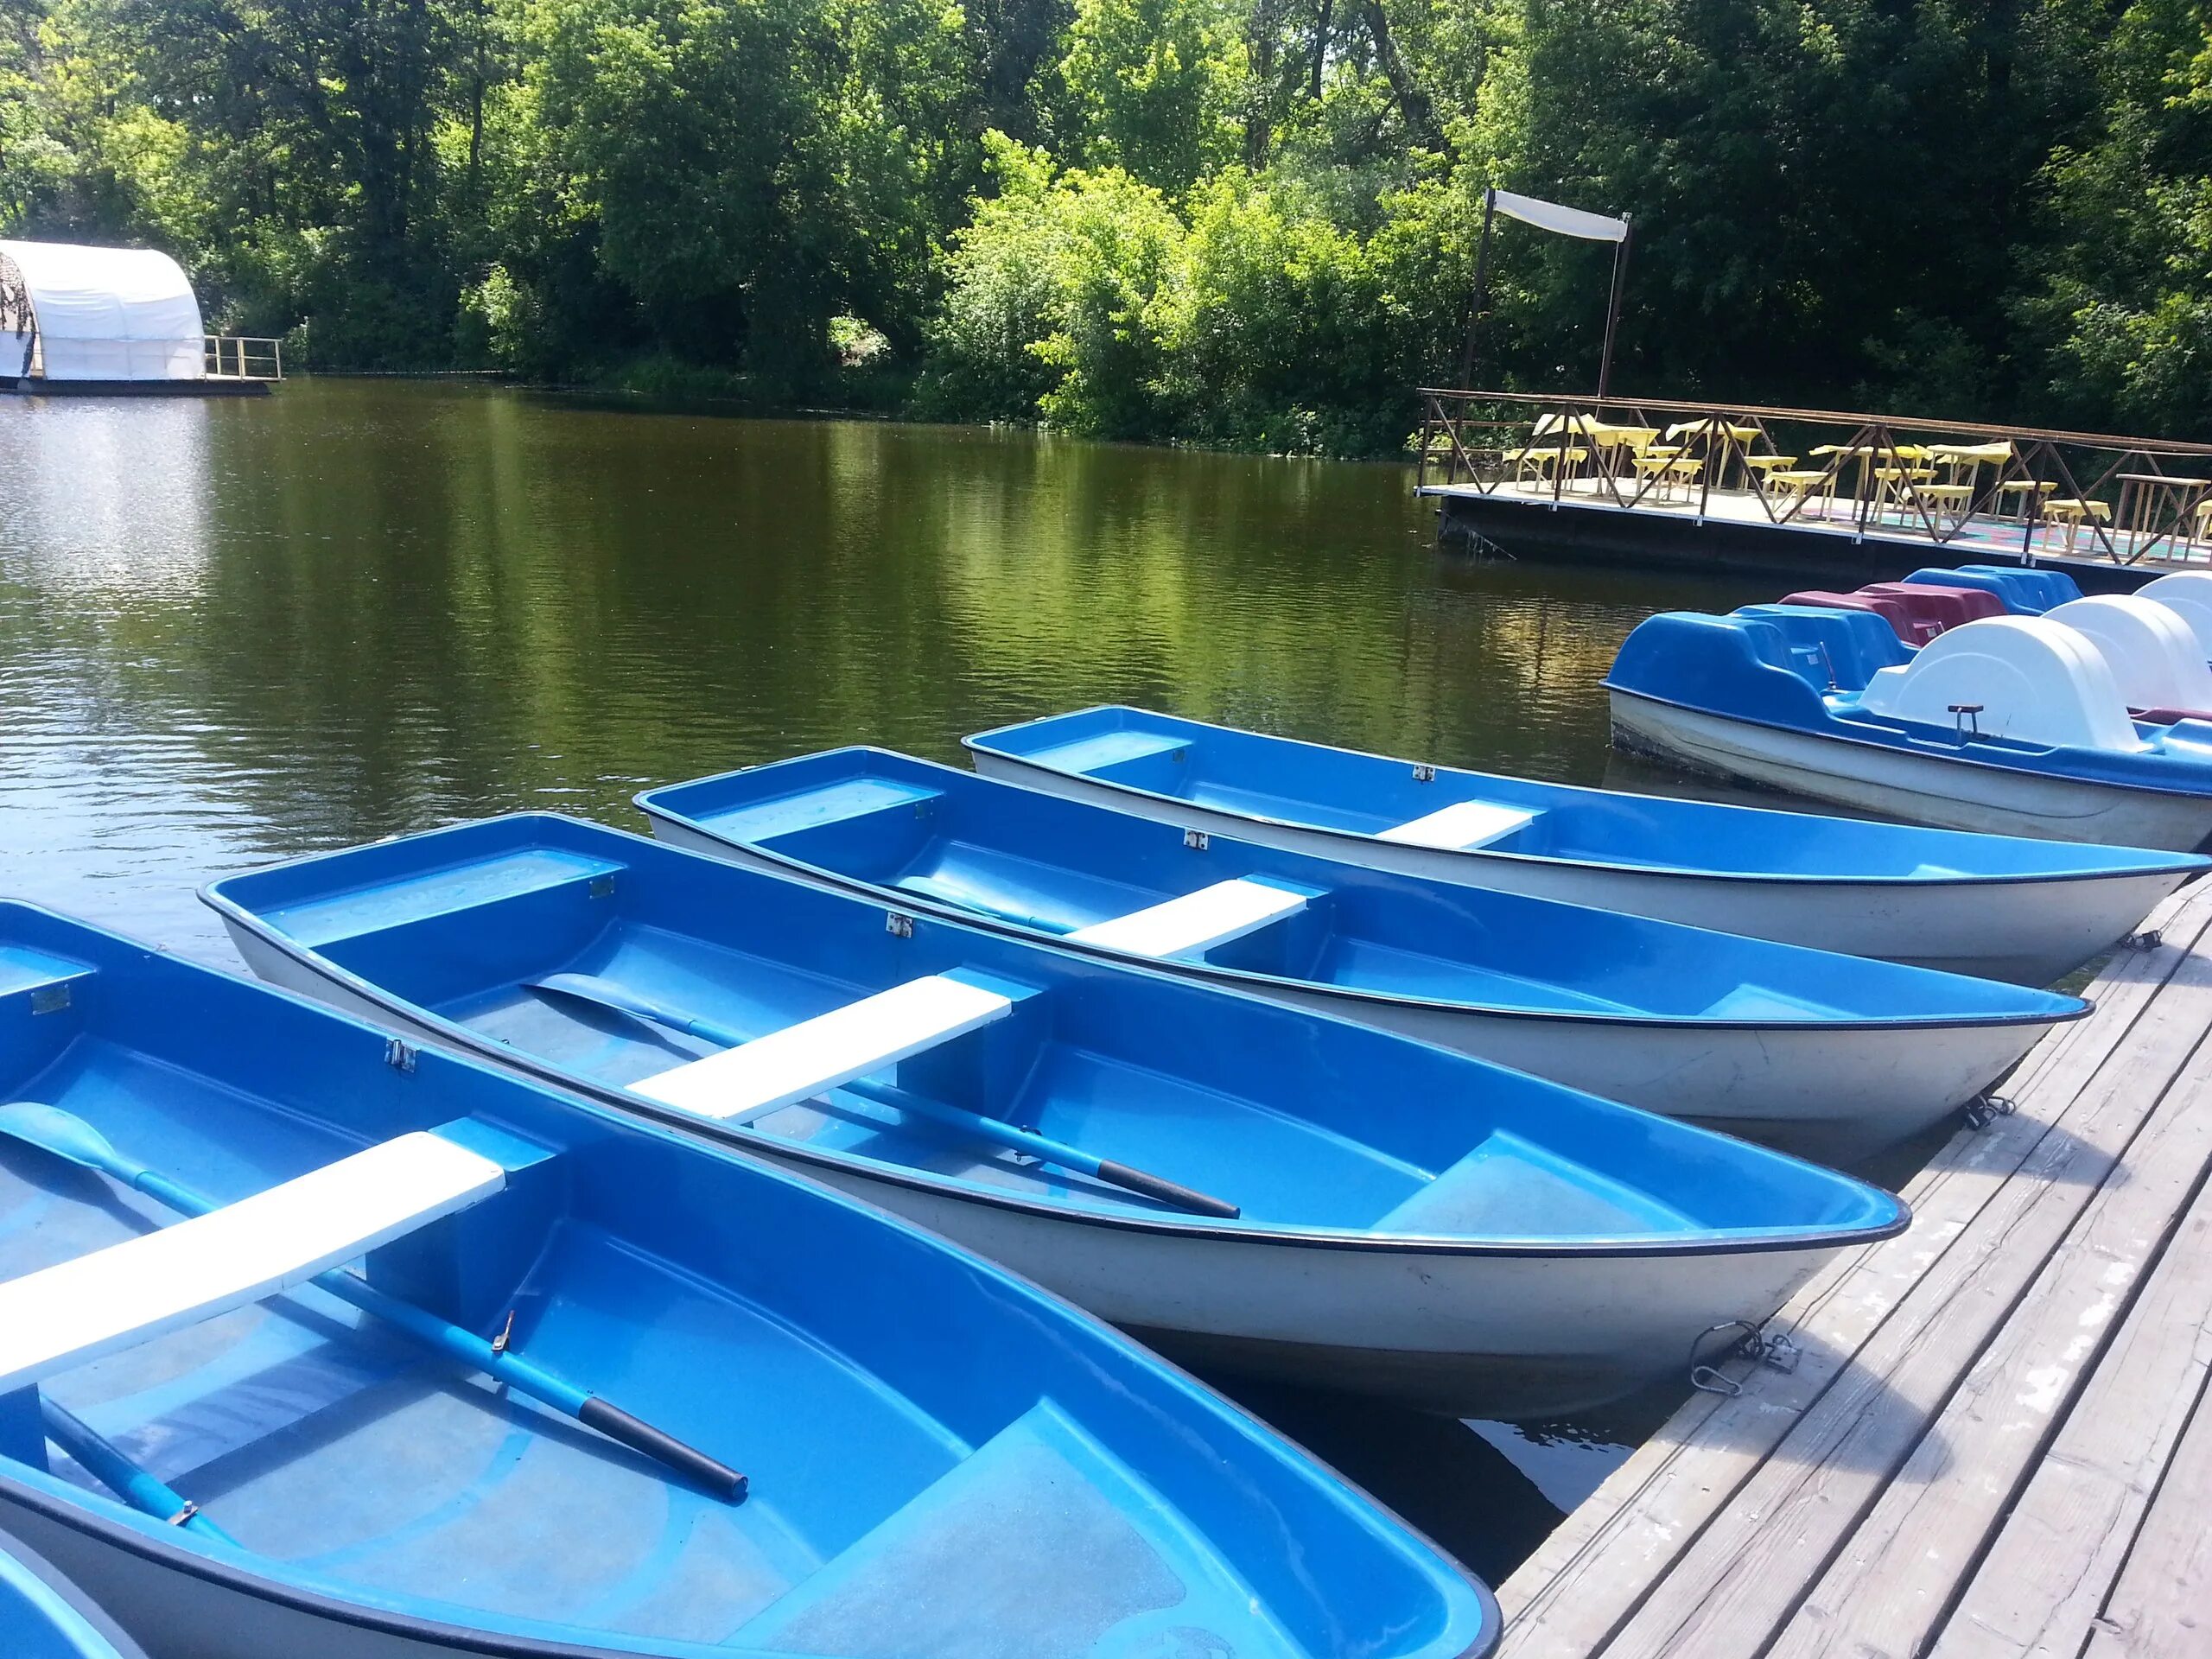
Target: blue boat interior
1310	1126
943	1461
1305	784
913	830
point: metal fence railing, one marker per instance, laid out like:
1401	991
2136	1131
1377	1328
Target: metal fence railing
2126	499
242	357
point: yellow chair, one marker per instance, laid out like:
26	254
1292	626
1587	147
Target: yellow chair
1667	468
1788	487
1955	499
2073	512
2200	528
1538	462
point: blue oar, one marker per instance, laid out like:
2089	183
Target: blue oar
605	993
71	1139
107	1464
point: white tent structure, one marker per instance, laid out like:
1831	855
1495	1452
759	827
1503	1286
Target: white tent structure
113	315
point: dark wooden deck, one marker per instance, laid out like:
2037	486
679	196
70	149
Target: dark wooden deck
1997	1442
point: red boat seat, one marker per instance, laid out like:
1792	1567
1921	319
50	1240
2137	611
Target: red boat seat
2168	716
1882	605
1930	609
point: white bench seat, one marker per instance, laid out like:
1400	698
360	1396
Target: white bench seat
1460	827
800	1061
1197	921
76	1311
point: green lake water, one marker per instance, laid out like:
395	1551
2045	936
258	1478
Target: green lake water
234	630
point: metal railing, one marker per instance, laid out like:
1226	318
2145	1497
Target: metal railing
242	357
2124	497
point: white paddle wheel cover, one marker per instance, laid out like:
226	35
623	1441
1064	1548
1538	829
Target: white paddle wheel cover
2188	595
2154	656
2037	681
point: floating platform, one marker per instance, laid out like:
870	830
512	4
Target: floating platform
1733	532
212	386
1997	1437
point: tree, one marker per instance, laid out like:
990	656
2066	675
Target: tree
1153	88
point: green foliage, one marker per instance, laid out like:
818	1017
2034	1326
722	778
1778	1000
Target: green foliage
2125	303
1243	222
1151	87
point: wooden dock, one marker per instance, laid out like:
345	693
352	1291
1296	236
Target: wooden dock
1997	1438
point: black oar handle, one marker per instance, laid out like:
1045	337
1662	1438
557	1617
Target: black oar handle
1152	1187
618	1425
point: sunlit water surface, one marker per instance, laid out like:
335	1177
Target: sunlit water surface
236	630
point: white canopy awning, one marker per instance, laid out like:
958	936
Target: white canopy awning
105	314
1551	216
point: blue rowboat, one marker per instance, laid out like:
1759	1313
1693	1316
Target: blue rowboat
1830	1057
44	1616
1330	1202
1989	905
2084	722
294	1319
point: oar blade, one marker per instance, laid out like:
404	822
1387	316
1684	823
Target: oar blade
65	1134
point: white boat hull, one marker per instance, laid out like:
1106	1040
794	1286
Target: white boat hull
1489	1335
1837	1096
1936	789
2030	931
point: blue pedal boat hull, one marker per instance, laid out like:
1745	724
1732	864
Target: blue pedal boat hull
1412	1220
1991	906
43	1615
1739	697
943	1461
1830	1057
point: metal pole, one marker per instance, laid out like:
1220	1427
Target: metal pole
1613	306
1482	271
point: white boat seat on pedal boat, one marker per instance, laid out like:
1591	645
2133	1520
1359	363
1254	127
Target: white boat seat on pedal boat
800	1061
1461	827
1196	921
76	1311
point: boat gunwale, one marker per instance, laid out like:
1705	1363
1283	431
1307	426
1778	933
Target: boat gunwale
452	1034
67	1510
97	1621
2185	865
2203	861
944	910
119	1534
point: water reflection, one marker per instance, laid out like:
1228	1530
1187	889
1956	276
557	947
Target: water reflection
236	629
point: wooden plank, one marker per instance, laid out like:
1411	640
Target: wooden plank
799	1061
1599	1566
75	1311
1196	921
1596	1566
2038	1588
1732	1589
2162	1607
1461	826
1888	1590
